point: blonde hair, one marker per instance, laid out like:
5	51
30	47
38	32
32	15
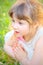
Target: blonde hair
26	9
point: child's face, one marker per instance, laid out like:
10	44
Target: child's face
21	26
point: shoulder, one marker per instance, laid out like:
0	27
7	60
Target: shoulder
8	35
39	46
40	31
38	53
40	41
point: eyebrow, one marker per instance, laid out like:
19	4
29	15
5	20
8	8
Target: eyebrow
25	18
28	19
22	17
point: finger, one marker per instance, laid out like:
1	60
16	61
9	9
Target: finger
17	54
21	52
17	45
23	45
18	50
21	48
14	46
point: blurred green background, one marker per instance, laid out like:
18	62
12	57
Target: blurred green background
4	28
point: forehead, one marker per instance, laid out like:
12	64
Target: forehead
22	19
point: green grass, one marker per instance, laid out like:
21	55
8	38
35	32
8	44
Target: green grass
41	1
4	28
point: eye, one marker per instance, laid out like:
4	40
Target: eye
13	20
20	23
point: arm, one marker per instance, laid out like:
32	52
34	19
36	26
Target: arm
38	54
9	50
9	38
37	58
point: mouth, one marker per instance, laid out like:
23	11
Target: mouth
19	37
17	32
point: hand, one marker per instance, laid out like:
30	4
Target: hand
19	52
12	39
17	49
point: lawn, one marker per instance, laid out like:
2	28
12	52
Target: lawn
4	28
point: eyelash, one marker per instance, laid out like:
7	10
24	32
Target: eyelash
20	23
13	21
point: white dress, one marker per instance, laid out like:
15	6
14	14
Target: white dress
31	43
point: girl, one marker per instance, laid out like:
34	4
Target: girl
25	42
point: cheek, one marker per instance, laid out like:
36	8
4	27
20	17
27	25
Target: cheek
25	29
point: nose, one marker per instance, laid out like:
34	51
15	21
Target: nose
15	25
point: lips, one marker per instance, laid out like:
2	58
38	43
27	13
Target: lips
19	37
16	31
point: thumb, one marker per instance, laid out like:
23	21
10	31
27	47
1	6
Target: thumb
23	43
